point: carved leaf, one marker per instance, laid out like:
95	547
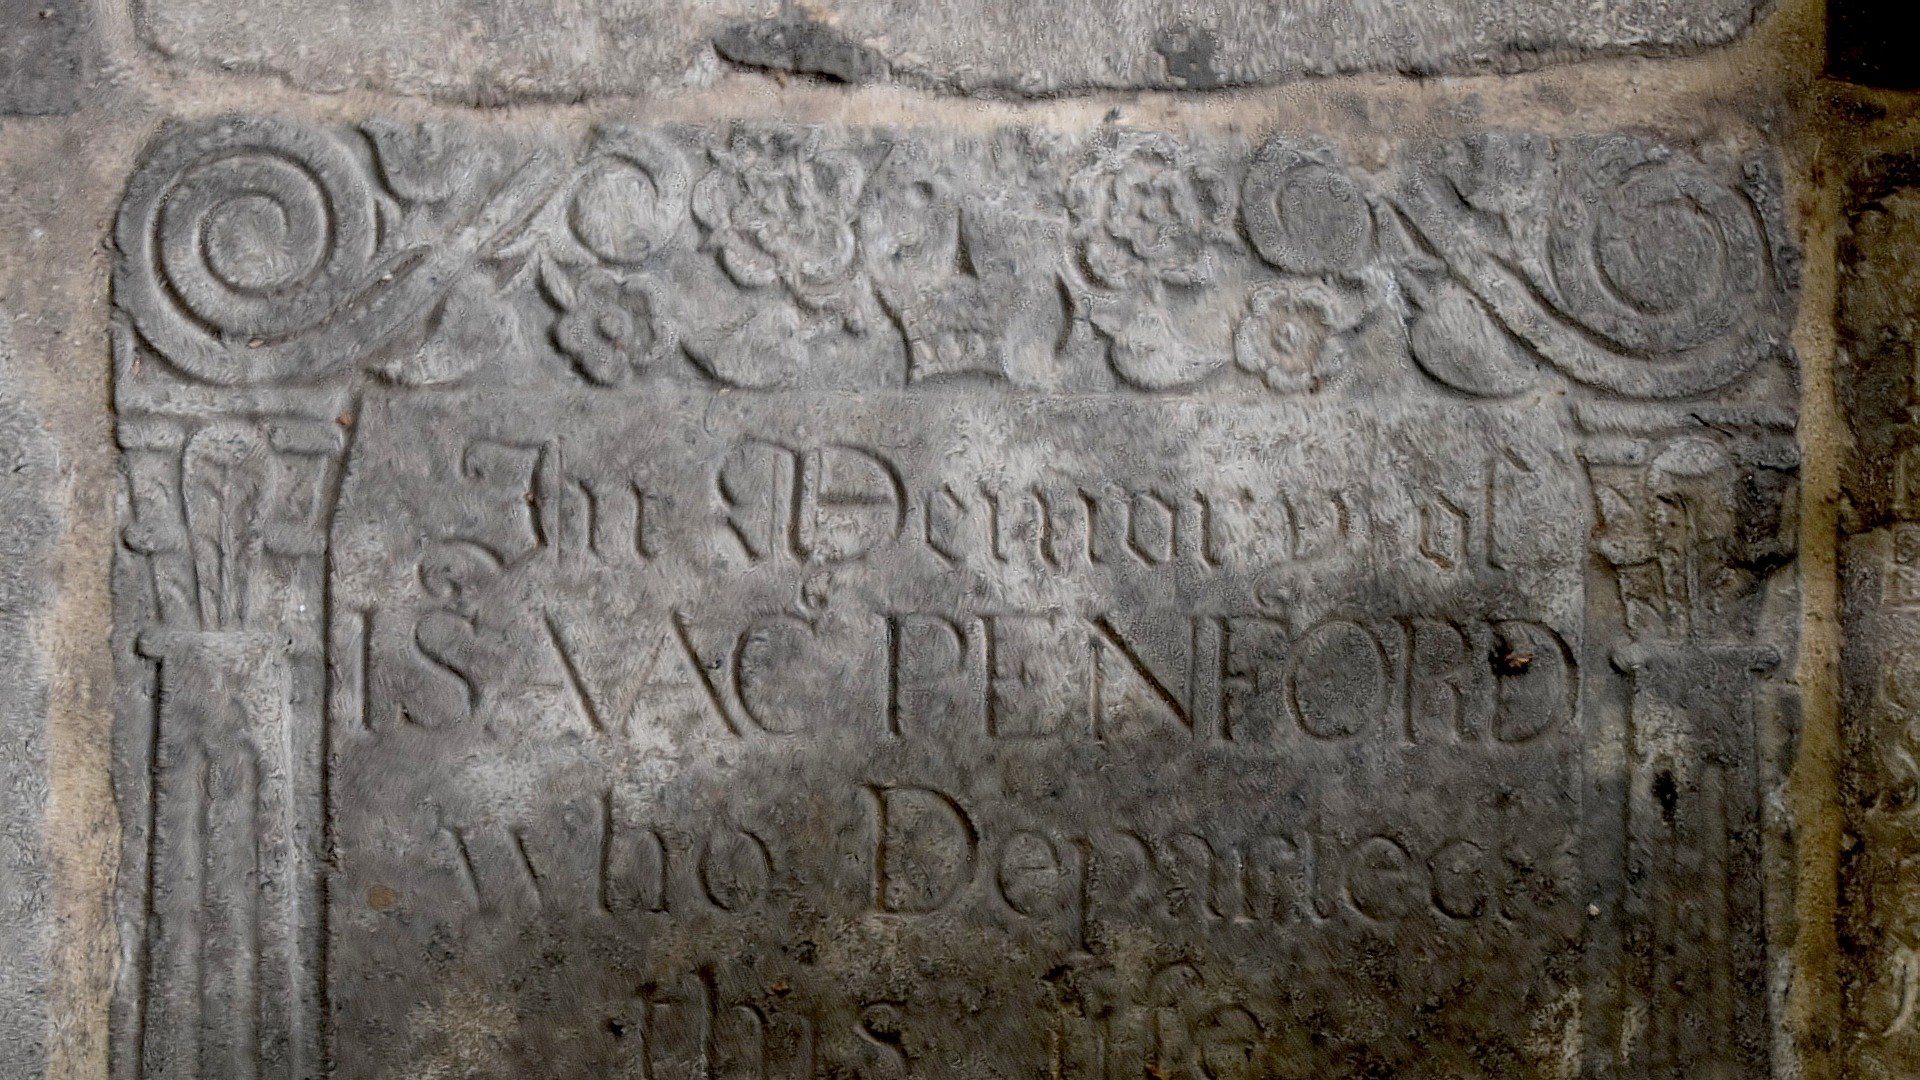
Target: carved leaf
1457	342
227	489
765	349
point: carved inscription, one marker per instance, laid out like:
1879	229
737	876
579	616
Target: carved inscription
778	601
700	676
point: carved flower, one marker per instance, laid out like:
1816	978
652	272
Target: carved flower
1291	335
1146	215
610	326
781	209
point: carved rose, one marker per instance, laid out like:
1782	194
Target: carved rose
1146	215
1146	219
781	209
1291	335
610	327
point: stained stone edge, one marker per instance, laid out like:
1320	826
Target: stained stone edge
27	525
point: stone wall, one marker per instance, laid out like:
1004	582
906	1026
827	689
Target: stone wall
1330	539
1877	939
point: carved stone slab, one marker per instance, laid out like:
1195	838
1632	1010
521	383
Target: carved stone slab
507	49
771	601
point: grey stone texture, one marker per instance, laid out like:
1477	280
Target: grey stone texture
26	924
841	600
44	51
547	49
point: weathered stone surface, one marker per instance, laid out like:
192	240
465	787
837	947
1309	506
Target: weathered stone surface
26	506
541	48
1880	932
793	601
43	55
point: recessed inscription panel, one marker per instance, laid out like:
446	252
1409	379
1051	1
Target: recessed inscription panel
971	734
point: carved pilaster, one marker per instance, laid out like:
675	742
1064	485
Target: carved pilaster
1695	517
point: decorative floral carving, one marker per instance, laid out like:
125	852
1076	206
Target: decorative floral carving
256	252
1652	253
1146	216
1147	219
780	207
228	479
609	326
240	238
264	253
1291	335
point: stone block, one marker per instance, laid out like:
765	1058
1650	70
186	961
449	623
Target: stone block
504	50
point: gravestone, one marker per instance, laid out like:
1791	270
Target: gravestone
853	539
751	598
